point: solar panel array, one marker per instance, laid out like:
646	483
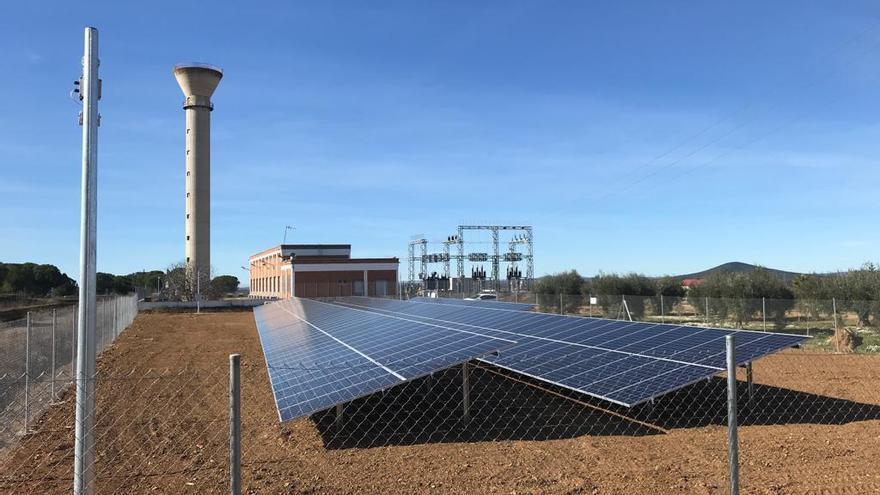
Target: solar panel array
483	303
623	362
319	355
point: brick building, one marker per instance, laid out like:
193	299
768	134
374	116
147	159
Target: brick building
319	270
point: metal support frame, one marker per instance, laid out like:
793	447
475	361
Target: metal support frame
84	435
465	392
732	440
422	243
751	383
629	315
461	257
496	262
339	415
235	424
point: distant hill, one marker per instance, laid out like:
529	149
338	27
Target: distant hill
738	267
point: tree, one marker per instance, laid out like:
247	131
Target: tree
814	293
564	283
741	295
181	283
861	291
34	279
671	290
223	285
611	287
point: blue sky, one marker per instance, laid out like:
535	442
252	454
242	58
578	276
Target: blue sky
661	137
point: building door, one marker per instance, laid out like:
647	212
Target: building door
381	288
358	289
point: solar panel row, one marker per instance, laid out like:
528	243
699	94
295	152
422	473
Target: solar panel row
623	362
484	303
319	355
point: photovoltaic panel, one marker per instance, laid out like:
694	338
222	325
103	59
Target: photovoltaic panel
620	361
467	302
319	355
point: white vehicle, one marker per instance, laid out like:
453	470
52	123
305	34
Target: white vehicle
483	296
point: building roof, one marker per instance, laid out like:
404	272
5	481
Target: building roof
301	260
294	247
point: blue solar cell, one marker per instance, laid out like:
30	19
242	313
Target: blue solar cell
319	355
474	303
620	361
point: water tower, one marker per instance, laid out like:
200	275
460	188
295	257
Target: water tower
198	82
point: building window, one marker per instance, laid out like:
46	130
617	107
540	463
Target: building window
187	195
187	259
187	173
187	215
187	237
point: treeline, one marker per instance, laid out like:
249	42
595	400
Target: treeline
35	280
168	282
45	280
853	290
108	283
608	288
738	295
743	296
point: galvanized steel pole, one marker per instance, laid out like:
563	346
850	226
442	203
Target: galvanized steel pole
84	450
27	371
52	358
235	424
732	442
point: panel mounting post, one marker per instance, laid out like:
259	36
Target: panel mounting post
339	418
750	382
465	392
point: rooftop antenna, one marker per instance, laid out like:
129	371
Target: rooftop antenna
286	228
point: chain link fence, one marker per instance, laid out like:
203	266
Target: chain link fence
835	325
808	422
38	358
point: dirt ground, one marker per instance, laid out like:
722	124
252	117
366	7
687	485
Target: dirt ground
813	427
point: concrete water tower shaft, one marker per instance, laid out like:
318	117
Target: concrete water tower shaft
198	82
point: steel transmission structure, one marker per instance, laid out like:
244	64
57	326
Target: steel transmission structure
523	240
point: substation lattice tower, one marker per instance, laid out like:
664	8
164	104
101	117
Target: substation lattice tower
417	242
523	238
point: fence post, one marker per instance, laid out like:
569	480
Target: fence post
834	315
764	312
73	342
707	310
732	442
52	359
27	370
561	307
235	424
662	310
